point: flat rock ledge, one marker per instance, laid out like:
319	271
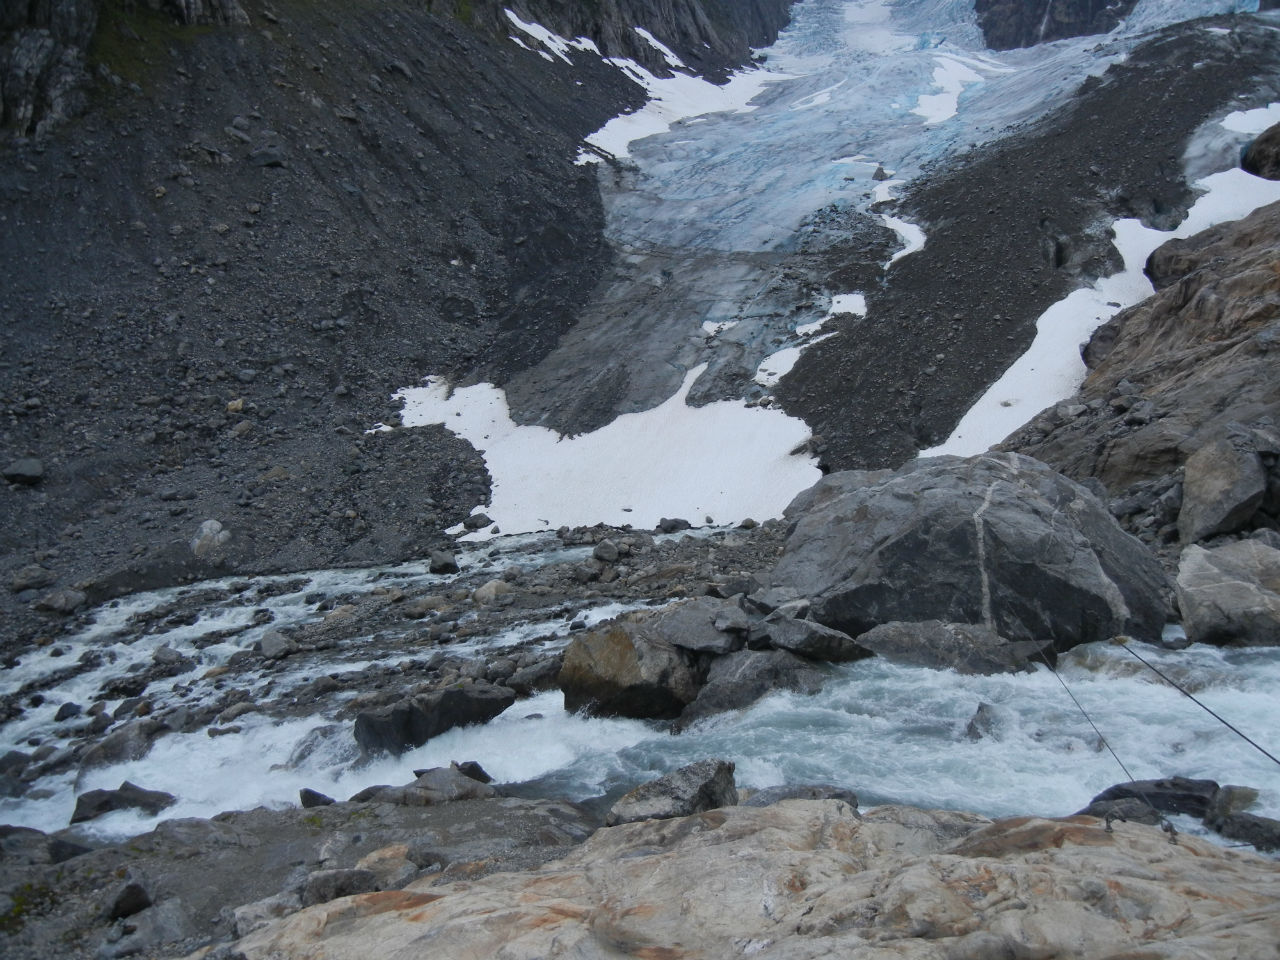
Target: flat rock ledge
810	879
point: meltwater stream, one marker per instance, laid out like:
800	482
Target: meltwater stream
860	85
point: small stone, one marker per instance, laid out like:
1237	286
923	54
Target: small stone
275	645
313	798
606	551
65	601
27	471
32	577
442	561
477	521
491	591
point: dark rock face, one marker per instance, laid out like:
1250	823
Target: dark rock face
1262	156
1024	23
700	786
412	722
997	540
1171	795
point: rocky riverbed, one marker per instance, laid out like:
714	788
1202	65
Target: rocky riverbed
226	595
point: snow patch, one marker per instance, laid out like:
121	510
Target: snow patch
725	460
668	54
950	76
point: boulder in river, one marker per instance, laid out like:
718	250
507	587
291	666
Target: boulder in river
128	796
806	638
621	670
415	720
700	786
1231	594
997	539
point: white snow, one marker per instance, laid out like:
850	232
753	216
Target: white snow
724	460
1051	369
950	76
557	45
1252	122
854	303
911	235
671	99
668	54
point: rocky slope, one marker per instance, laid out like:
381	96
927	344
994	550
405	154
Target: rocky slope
1013	228
258	231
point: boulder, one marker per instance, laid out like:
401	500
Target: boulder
415	720
1262	832
434	786
998	539
309	798
962	647
1170	795
700	786
132	741
489	593
618	670
806	638
26	471
694	625
1222	488
442	561
274	645
65	601
810	791
32	577
1231	594
129	796
740	679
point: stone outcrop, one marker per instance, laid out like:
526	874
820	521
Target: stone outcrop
1024	23
997	540
1230	595
808	879
740	679
622	670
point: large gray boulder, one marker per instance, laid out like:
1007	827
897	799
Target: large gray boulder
741	678
700	786
1222	488
619	670
998	539
1231	594
415	720
962	647
806	638
693	625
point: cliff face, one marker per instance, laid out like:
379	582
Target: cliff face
709	35
1024	23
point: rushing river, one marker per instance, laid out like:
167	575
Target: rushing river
857	86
